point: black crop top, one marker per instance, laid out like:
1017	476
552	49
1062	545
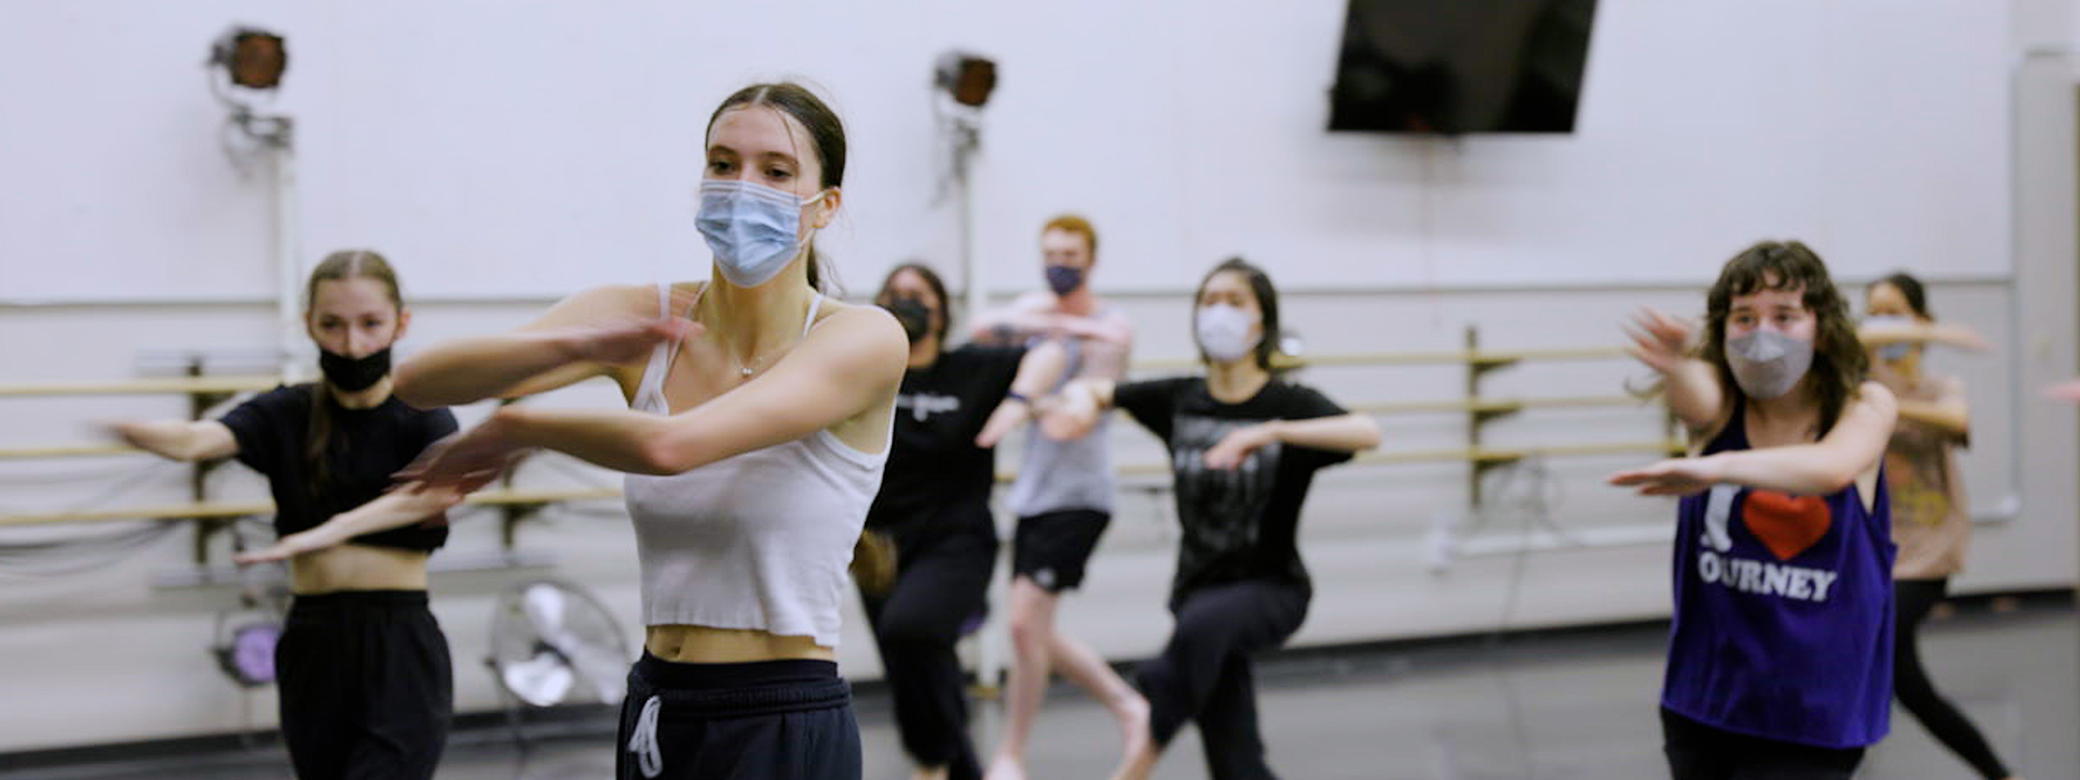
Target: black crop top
368	446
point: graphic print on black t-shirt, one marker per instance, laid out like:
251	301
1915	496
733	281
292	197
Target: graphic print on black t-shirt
921	406
933	462
1238	523
1223	503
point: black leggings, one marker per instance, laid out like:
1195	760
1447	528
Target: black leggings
940	586
365	684
1699	752
1913	599
1204	673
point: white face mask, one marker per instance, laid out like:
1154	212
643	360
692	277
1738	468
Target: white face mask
1226	333
1767	364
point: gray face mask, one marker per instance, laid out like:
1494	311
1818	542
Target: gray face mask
1767	364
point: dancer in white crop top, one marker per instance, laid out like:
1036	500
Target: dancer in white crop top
759	423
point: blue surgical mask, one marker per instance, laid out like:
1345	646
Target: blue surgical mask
1896	350
754	230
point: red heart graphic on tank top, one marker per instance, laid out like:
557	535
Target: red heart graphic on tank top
1786	524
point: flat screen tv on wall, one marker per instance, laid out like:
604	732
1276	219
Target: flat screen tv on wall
1451	67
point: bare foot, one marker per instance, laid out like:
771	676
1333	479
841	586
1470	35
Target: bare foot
1005	767
1139	761
1138	758
928	773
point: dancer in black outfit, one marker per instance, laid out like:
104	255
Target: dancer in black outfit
1244	446
934	507
362	668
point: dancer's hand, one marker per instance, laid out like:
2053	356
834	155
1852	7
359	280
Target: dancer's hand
1659	340
467	461
1008	416
1235	447
1070	416
1673	477
2068	390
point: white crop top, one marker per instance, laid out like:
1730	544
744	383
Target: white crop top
759	540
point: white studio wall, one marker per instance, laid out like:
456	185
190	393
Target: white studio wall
506	154
525	150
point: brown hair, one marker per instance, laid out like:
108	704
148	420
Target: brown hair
1839	362
826	131
338	266
1910	288
874	562
1072	223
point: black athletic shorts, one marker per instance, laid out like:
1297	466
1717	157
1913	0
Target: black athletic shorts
1052	547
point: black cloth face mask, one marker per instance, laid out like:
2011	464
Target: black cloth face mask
354	375
914	315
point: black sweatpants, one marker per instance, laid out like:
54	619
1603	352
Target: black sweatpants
1913	599
366	687
768	720
942	583
1699	752
1204	673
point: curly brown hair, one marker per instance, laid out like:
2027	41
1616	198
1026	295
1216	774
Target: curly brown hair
1839	362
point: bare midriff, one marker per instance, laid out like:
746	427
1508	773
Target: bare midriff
705	645
357	567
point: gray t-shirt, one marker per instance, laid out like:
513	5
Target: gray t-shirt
1056	476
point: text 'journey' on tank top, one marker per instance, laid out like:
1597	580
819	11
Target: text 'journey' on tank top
1783	611
759	540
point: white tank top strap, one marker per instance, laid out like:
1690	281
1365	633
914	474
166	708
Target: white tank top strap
814	304
650	391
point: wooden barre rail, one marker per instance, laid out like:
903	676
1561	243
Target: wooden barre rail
240	384
68	451
204	392
1457	454
1476	357
223	510
174	386
1484	405
231	509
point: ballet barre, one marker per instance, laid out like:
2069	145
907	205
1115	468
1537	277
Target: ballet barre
1485	405
228	510
1475	357
68	451
192	386
206	392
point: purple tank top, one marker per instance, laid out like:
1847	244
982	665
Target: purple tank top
1783	611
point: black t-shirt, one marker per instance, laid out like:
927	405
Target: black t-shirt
367	447
933	463
1240	523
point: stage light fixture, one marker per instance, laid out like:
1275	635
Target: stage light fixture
968	78
253	58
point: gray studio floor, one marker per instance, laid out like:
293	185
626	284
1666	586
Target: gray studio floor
1577	705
